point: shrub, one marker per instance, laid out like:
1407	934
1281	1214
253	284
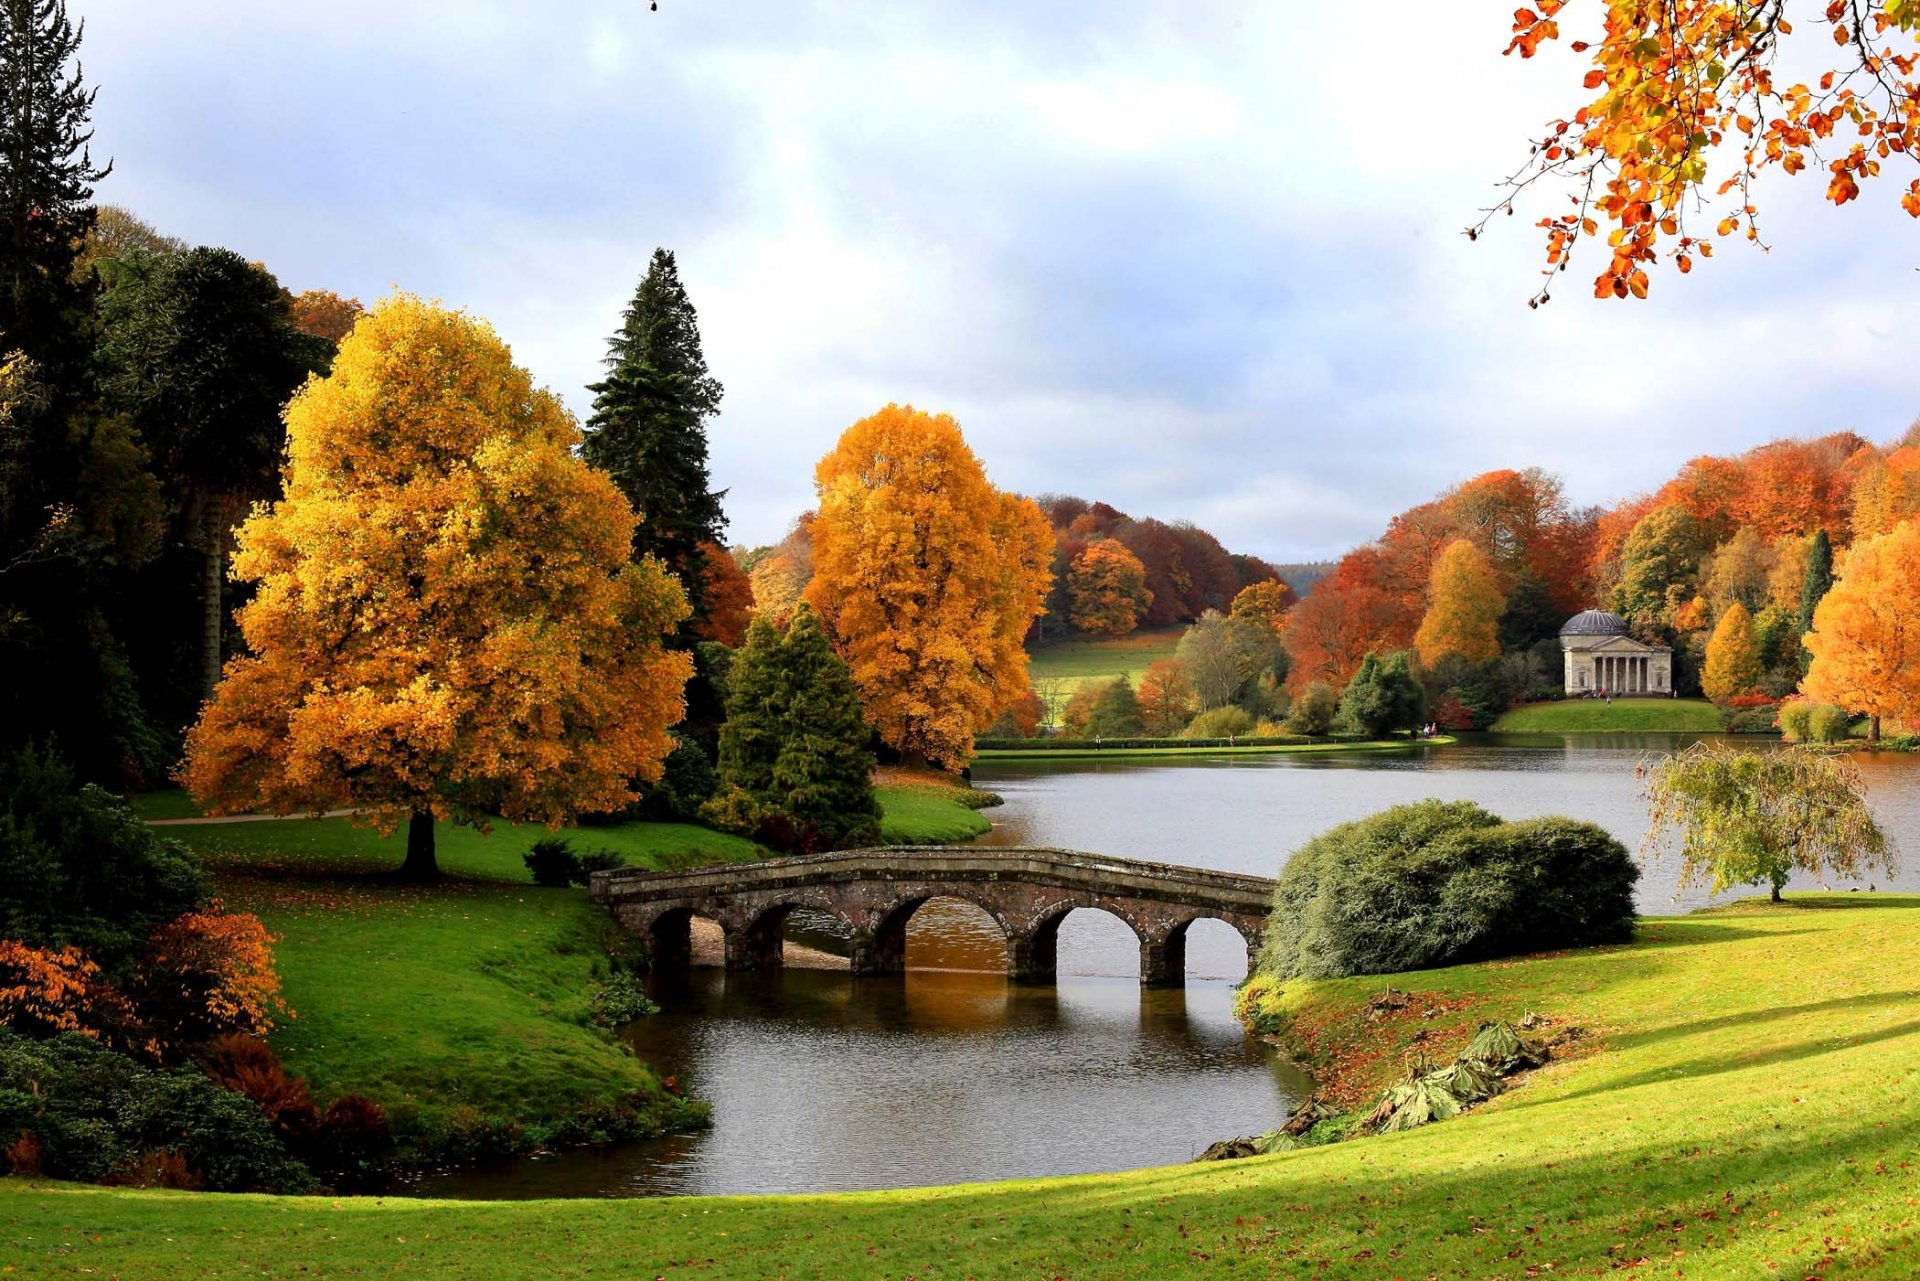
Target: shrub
207	974
733	809
620	1000
1752	720
552	862
1219	722
96	1114
344	1145
1795	716
1829	724
1312	712
687	781
1437	883
46	991
78	867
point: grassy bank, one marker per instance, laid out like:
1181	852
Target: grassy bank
1745	1106
462	1007
920	807
1174	748
1624	716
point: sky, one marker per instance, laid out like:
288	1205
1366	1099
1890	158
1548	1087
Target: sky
1200	261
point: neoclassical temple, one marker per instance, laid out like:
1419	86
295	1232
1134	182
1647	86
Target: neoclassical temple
1601	656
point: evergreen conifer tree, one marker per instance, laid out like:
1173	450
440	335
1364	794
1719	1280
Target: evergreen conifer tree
649	426
823	777
46	185
1814	587
750	740
1383	696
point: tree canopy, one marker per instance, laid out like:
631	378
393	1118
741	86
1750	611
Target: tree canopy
1745	817
1865	640
446	621
926	578
1464	606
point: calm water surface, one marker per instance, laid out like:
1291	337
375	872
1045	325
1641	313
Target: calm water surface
822	1082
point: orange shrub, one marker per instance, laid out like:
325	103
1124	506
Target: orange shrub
208	973
44	991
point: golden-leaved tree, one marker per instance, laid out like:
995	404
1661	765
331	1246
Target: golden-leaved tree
445	622
1733	655
1108	586
1865	640
1464	604
927	578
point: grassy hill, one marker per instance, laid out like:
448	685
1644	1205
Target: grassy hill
1075	662
1625	716
1743	1104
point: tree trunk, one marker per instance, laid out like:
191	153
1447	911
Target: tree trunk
1873	731
420	864
213	618
1778	881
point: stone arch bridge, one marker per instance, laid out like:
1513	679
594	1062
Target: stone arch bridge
873	893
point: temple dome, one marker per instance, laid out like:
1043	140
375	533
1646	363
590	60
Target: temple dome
1595	622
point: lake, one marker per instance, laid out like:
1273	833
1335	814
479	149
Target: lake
823	1082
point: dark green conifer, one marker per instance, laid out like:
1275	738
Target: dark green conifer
1814	587
750	740
823	778
648	429
1116	714
46	185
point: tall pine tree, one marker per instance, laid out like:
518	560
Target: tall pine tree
46	185
649	426
77	504
751	738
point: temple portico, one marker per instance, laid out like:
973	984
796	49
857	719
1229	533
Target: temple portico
1601	657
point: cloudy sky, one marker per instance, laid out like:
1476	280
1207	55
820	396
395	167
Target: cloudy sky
1199	260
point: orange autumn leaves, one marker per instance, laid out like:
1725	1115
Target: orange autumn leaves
445	617
927	578
1682	84
1866	634
1464	604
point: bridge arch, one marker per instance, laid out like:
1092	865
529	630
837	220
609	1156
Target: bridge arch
882	948
757	939
1036	957
1171	961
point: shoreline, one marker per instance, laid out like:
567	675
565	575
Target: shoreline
1091	753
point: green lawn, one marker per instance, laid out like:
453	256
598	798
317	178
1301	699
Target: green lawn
1073	663
915	814
1747	1106
1626	715
461	1007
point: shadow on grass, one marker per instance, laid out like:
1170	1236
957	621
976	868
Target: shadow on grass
1422	1204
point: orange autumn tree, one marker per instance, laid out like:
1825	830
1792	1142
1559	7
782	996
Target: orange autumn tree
445	622
1464	604
729	597
1686	106
927	579
1865	640
1108	587
1267	600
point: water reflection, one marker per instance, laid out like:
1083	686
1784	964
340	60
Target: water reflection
825	1082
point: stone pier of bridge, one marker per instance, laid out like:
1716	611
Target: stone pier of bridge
874	892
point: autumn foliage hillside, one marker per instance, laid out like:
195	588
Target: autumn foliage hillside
1724	532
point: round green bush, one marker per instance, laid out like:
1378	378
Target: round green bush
1438	883
1828	724
1795	720
1220	722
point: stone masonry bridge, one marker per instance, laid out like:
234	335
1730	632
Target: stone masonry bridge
873	892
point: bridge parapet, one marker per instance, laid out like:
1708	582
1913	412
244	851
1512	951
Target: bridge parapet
874	891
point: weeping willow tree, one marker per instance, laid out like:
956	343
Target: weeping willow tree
1744	817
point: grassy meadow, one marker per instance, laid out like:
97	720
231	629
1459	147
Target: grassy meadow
1743	1102
461	1007
1072	663
1625	716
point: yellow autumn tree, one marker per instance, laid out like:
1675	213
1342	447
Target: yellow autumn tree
927	578
1865	640
1108	587
445	622
1733	655
1464	604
